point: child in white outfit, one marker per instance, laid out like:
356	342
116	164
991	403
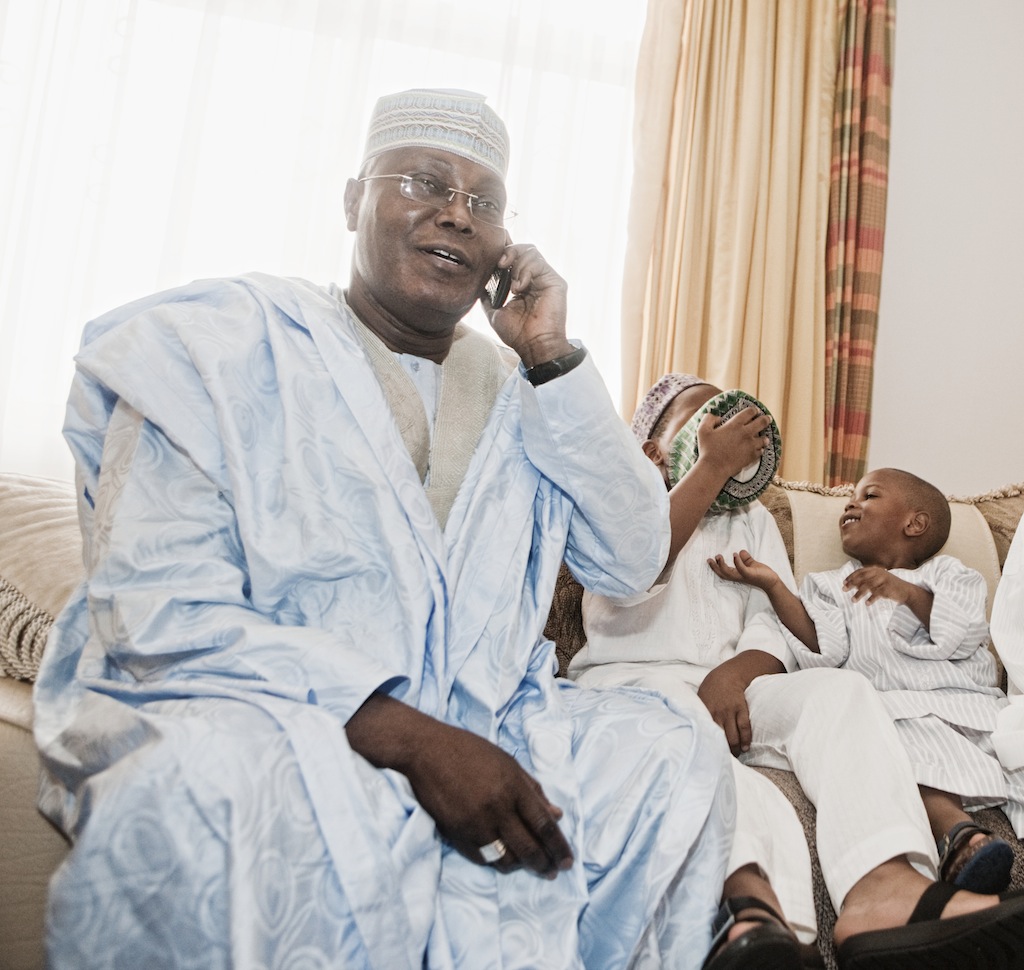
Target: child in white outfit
671	637
913	623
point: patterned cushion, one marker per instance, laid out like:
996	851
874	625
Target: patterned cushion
746	487
40	565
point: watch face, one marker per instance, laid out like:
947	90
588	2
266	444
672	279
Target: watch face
753	480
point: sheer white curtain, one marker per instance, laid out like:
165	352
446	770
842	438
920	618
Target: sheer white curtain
145	143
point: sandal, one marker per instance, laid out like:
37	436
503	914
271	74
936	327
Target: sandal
980	868
989	939
768	946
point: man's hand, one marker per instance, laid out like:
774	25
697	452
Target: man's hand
532	322
745	569
476	793
473	790
723	692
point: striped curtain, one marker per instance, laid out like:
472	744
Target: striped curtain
853	260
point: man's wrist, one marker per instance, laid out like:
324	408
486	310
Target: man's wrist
549	370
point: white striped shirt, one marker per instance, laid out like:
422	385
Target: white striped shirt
945	670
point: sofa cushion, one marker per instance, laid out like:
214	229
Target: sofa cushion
818	547
30	848
40	565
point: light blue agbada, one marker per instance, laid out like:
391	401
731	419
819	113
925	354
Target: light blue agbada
261	556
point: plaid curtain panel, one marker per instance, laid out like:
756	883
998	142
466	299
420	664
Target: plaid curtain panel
856	229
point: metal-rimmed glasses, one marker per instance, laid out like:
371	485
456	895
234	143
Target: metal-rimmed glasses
428	191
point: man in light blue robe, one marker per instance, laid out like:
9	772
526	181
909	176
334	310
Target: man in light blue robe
301	712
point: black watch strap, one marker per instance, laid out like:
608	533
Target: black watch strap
551	369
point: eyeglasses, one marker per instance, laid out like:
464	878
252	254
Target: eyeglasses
423	189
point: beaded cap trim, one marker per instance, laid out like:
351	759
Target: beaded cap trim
657	399
736	492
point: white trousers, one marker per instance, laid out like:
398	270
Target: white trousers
829	727
768	832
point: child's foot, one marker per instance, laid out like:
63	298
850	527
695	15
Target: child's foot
750	935
972	858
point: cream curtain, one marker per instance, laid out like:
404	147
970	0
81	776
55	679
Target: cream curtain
724	273
145	143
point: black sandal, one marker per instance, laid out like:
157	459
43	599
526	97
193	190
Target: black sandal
769	946
988	939
983	868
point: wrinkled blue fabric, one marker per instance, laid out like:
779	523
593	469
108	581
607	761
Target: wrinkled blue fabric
260	557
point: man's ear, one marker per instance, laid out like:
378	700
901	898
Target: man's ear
917	524
353	196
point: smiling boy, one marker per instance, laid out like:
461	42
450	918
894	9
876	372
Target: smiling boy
913	623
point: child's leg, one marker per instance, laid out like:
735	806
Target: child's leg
970	857
830	728
770	845
944	810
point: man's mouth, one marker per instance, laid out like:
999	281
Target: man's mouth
847	520
448	256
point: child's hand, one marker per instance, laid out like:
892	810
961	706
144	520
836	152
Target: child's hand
745	569
876	582
730	446
723	694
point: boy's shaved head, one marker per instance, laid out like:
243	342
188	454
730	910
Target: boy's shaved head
922	496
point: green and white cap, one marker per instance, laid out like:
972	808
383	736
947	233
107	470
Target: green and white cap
753	480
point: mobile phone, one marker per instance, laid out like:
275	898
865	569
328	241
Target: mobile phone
498	287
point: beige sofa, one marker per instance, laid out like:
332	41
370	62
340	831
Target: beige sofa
40	564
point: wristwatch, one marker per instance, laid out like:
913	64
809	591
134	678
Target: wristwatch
550	369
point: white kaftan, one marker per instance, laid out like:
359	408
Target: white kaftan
938	684
1008	640
261	556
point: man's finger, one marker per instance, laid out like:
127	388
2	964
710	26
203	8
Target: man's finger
553	840
537	843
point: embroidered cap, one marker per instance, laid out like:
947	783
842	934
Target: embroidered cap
749	483
452	120
657	399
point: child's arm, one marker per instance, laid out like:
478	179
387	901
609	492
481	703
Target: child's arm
787	605
876	582
724	449
953	617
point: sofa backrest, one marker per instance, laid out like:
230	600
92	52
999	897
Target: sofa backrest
41	555
817	546
807	516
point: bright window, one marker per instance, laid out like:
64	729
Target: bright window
145	143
